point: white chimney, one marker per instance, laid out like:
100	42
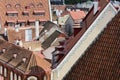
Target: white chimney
5	31
95	6
37	28
17	28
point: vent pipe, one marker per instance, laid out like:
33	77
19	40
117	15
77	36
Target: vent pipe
37	29
95	6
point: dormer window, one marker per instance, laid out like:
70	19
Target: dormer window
10	23
8	5
17	5
21	22
31	5
25	13
31	22
12	13
39	12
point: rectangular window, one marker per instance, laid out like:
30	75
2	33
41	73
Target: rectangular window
39	14
10	24
32	23
22	23
28	35
12	14
25	14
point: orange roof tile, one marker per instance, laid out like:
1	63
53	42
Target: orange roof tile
21	6
102	59
77	15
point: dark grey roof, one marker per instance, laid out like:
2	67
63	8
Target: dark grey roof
50	39
48	25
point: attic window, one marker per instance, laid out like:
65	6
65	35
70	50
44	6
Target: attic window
17	5
10	22
31	5
39	5
8	5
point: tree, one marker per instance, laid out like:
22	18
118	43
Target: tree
75	1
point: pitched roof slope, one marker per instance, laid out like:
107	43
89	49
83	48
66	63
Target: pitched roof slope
21	59
47	26
77	15
47	43
88	20
101	60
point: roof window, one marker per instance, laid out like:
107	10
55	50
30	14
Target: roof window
17	5
31	5
39	5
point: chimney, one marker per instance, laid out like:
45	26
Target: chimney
37	28
17	27
5	31
95	6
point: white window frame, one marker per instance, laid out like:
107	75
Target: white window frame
28	38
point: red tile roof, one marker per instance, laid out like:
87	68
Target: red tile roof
23	6
101	60
77	15
88	20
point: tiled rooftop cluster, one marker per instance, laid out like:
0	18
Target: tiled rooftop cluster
22	61
23	12
101	60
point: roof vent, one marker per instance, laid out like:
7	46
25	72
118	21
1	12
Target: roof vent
3	50
14	55
24	59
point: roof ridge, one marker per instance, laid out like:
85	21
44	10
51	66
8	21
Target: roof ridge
30	62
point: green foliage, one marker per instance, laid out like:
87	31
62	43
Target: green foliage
75	1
